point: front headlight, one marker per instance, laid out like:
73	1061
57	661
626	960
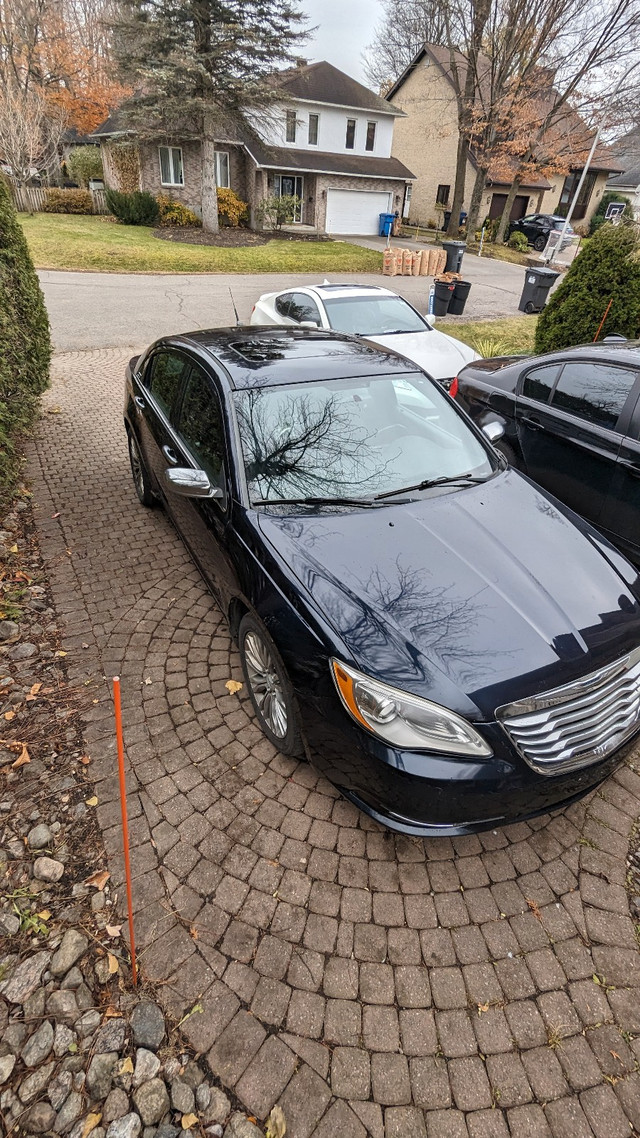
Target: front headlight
405	720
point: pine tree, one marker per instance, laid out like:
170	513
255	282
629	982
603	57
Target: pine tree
607	270
197	65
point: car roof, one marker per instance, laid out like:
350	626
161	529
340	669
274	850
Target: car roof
618	351
256	356
327	291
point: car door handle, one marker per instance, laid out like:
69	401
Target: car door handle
170	456
139	402
630	468
532	424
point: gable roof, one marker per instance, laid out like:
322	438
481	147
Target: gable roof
324	83
627	152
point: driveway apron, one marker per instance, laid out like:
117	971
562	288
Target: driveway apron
370	983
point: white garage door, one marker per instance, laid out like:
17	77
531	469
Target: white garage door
355	211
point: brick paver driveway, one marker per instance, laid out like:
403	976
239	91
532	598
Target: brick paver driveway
372	984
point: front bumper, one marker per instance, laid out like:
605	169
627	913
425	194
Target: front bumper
432	795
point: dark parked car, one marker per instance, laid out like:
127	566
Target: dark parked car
537	227
445	642
572	423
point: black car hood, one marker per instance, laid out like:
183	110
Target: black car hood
473	598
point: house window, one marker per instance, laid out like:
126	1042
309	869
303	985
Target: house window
313	130
371	136
291	126
442	196
350	140
569	189
222	169
171	168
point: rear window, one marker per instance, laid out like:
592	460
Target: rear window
539	382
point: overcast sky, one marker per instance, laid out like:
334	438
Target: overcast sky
345	28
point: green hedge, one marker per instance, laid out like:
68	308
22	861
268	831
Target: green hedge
25	346
138	208
607	269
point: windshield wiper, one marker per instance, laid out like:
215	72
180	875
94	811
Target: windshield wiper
313	502
427	483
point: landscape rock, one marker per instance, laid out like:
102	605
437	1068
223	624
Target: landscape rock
25	978
240	1127
73	979
62	1040
40	1118
23	651
63	1006
127	1127
203	1096
48	869
147	1024
172	1069
84	998
68	1113
166	1130
33	1007
7	1063
15	1035
38	1046
59	1088
116	1105
87	1023
8	629
34	1084
39	837
218	1108
192	1075
110	1036
147	1066
100	1073
182	1097
73	945
151	1101
9	924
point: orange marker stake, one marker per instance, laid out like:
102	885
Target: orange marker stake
125	824
606	313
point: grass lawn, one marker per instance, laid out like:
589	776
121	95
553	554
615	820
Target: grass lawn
62	241
507	336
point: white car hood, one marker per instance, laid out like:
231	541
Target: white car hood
441	356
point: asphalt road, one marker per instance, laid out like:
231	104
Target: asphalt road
113	310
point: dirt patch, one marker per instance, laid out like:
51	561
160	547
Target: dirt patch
226	238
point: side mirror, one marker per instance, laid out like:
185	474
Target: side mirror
188	483
493	431
430	319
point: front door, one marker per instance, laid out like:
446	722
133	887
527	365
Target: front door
518	209
290	185
156	400
620	518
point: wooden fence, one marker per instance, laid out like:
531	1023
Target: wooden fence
31	199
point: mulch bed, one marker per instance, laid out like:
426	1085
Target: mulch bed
230	237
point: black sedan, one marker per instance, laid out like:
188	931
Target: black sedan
537	227
572	423
446	643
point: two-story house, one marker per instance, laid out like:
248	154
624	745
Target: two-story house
328	143
427	135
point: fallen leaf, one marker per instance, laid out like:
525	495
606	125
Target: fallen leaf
57	515
90	1123
126	1067
533	905
93	801
188	1120
616	1056
148	680
22	759
482	1008
233	686
276	1124
113	963
73	1047
59	653
53	411
99	879
596	979
113	930
193	932
13	549
9	715
22	576
112	1013
85	760
44	915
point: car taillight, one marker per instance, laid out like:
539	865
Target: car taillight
453	390
253	310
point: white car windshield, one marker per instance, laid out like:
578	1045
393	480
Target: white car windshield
373	315
355	438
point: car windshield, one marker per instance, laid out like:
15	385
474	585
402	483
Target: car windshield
373	315
354	438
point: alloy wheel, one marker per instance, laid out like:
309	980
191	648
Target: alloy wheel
265	684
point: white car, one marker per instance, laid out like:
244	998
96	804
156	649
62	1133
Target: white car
371	311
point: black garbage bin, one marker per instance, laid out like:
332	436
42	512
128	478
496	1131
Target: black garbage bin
446	219
459	298
455	253
537	283
443	294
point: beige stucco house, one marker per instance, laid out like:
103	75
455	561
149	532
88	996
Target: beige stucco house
427	136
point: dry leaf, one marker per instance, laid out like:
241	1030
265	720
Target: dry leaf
99	879
22	576
233	686
90	1123
276	1124
85	760
112	1013
482	1008
188	1120
533	905
93	801
13	549
126	1067
113	963
9	715
113	930
22	759
193	932
44	915
56	515
59	653
53	411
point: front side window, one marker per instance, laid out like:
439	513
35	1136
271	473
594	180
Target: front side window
291	126
171	166
313	130
350	140
165	377
355	437
201	424
539	382
371	136
596	392
302	307
442	195
372	316
222	169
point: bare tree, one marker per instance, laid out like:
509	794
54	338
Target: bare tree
398	36
29	133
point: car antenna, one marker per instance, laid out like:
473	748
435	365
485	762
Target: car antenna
235	309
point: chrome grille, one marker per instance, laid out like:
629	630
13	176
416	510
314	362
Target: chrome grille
579	723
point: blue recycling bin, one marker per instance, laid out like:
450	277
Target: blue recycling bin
386	222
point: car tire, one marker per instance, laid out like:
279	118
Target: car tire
540	243
509	453
269	687
141	480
